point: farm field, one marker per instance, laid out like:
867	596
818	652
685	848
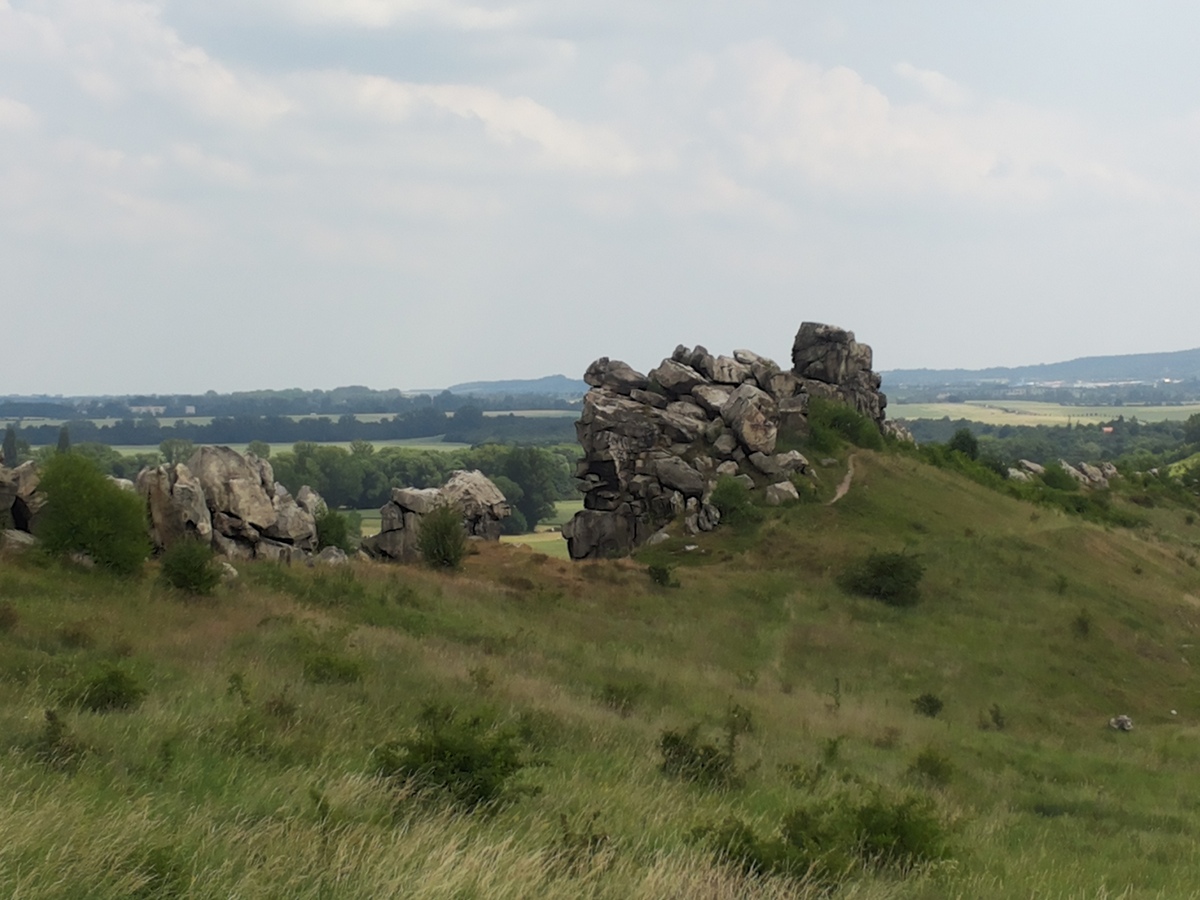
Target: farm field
1032	412
425	443
35	421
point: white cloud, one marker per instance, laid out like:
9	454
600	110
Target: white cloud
509	121
937	86
388	13
16	115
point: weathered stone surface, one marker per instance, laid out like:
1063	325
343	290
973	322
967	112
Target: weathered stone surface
422	501
676	378
11	539
276	551
712	397
332	556
30	501
8	490
615	376
726	370
1094	476
293	524
678	475
175	505
753	416
893	429
825	355
310	501
233	485
1074	473
1031	467
723	414
781	492
476	497
123	483
1018	475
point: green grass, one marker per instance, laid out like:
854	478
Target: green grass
1032	412
237	775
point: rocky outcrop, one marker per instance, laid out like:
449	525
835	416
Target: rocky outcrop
27	500
831	363
231	501
481	504
655	444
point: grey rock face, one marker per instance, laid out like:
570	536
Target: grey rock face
482	505
614	375
829	356
175	505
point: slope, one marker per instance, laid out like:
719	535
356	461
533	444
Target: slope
247	769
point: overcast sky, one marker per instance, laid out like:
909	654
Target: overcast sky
243	194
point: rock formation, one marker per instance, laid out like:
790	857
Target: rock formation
654	445
479	501
232	501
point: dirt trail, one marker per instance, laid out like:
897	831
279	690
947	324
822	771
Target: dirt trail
844	487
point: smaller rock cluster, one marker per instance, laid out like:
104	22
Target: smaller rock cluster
1087	475
234	503
481	503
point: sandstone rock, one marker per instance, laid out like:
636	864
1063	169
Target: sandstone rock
615	376
781	385
712	397
30	501
175	505
233	485
1018	475
8	490
597	535
765	464
728	468
11	539
479	500
792	461
310	501
658	401
333	556
780	493
676	378
230	548
689	409
752	415
726	370
228	573
678	475
278	552
123	483
893	429
293	524
1094	476
421	501
1031	467
830	362
1074	473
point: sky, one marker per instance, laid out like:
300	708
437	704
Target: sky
250	194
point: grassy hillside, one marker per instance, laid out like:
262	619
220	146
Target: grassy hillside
249	767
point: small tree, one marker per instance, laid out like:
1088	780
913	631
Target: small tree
442	541
176	450
64	440
189	566
10	446
334	530
87	513
965	443
261	449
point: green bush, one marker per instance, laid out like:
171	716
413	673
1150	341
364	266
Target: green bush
464	760
442	540
334	529
822	841
830	420
190	566
732	498
893	578
111	688
326	667
663	575
686	757
87	513
927	704
965	443
1056	477
933	766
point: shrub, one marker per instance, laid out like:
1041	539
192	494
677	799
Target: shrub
663	576
326	667
334	529
822	841
933	766
110	689
893	578
732	498
1056	477
189	566
965	443
87	513
466	761
829	418
928	705
684	756
442	541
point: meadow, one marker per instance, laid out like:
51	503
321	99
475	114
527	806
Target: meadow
250	767
1032	412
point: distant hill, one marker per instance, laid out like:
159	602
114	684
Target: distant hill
1178	365
550	384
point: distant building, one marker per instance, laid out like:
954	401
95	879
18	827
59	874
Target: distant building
148	410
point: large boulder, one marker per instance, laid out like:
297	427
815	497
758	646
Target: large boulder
293	524
235	485
482	505
175	505
754	418
614	375
830	362
27	506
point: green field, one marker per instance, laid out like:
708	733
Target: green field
427	443
1031	412
34	421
